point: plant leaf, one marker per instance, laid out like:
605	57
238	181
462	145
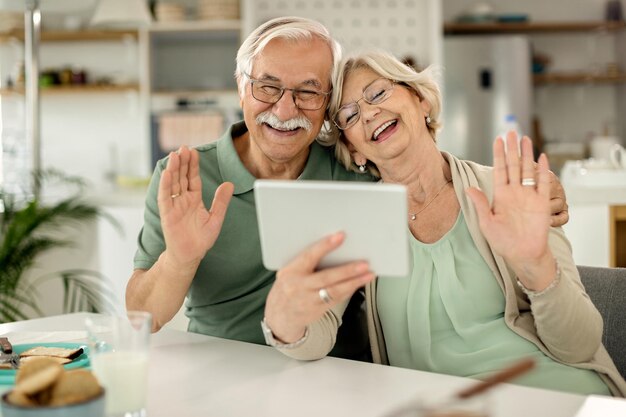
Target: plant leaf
27	230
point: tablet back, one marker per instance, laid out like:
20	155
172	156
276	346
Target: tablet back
292	215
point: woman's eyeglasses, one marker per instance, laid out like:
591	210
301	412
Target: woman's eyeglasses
375	93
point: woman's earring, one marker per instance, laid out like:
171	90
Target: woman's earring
362	168
428	119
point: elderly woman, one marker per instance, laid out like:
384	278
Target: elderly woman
491	281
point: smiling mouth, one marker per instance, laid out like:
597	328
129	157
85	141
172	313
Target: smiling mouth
281	129
382	128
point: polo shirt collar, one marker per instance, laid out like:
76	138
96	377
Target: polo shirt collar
318	165
231	167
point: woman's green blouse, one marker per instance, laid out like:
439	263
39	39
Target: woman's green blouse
448	317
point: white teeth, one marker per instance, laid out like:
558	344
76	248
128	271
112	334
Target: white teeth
381	128
280	129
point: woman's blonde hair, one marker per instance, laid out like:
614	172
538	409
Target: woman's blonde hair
387	66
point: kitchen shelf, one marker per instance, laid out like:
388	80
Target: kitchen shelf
193	93
529	27
77	89
74	36
578	78
196	26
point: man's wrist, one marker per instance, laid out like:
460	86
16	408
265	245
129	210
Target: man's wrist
171	264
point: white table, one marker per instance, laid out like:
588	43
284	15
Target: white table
195	375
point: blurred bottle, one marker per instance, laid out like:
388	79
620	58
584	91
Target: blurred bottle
511	124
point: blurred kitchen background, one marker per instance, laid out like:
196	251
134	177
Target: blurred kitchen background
123	82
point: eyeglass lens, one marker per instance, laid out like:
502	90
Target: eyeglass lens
377	92
304	99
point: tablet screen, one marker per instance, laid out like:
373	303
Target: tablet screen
292	215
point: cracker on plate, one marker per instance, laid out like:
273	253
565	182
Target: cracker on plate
37	376
53	351
57	359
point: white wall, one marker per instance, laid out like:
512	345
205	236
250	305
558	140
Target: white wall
402	27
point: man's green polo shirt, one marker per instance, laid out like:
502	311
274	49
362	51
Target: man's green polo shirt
227	296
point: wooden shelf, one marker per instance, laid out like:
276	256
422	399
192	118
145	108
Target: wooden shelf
196	26
88	36
74	36
75	89
194	93
106	35
578	78
529	27
11	92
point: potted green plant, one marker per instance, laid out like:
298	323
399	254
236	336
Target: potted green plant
30	228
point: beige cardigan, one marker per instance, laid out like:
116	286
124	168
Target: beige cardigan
563	323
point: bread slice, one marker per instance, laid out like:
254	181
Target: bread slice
52	351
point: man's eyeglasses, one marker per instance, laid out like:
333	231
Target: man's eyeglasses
375	93
303	99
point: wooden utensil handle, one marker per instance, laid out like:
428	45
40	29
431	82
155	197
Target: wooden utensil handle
504	375
5	345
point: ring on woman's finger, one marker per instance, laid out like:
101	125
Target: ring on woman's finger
528	182
175	195
324	296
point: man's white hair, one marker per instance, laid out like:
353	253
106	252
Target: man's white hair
294	28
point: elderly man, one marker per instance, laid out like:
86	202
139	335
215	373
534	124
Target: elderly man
213	257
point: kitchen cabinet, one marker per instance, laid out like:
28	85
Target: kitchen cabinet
588	232
189	78
193	56
597	225
617	236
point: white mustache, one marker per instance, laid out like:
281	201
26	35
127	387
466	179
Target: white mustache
291	124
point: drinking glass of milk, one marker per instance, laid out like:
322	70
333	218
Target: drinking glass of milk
119	348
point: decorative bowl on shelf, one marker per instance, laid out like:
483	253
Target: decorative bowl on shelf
475	19
481	12
513	18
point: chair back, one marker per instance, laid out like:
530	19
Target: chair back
607	289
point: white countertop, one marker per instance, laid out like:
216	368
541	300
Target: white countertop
195	375
577	195
590	181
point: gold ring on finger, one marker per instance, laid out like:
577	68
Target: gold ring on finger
175	195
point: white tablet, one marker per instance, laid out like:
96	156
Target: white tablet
292	215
